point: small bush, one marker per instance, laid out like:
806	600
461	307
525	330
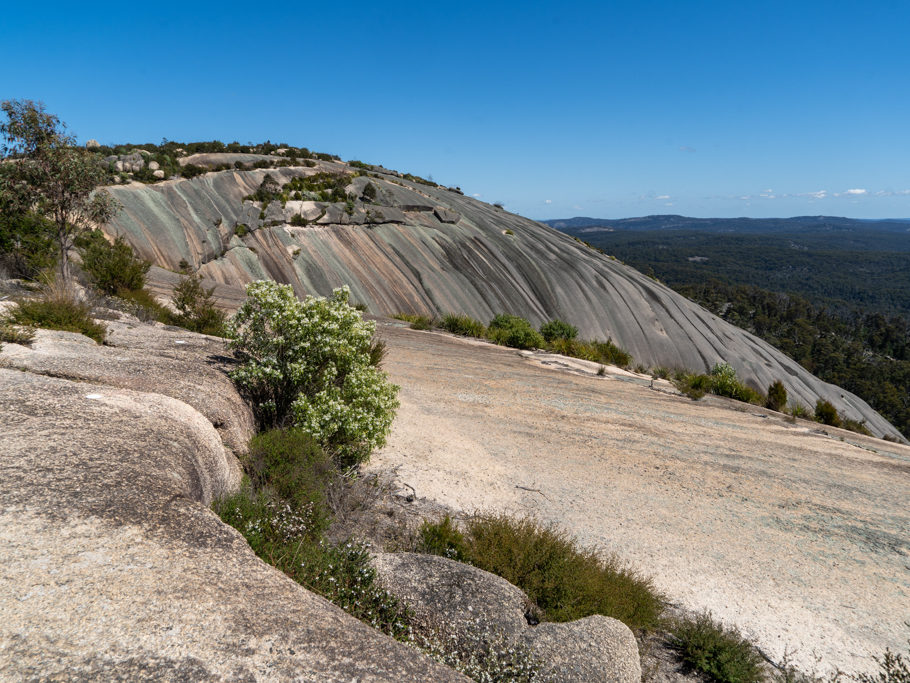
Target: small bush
606	352
721	653
57	309
777	396
514	331
289	465
418	322
443	538
566	582
196	310
692	385
16	335
892	668
308	364
854	426
463	325
241	229
299	221
557	329
826	413
799	410
144	306
660	372
282	536
112	268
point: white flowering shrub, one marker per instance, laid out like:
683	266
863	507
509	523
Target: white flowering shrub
308	364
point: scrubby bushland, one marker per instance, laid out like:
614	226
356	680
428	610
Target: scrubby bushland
566	582
57	308
720	652
777	396
111	268
196	310
463	325
557	329
514	331
15	334
308	364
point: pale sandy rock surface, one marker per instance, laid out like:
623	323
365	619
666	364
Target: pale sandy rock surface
113	566
798	537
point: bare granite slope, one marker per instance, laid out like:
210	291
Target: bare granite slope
796	533
423	249
113	566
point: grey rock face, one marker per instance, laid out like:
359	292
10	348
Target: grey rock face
461	599
113	565
410	261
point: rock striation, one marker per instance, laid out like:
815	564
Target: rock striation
422	249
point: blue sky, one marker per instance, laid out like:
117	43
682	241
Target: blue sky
607	109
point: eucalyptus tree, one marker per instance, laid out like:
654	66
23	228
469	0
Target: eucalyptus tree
43	172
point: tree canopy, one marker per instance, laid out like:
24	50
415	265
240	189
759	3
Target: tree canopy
42	172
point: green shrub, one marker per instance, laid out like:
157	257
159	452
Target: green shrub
307	364
12	334
511	330
144	306
283	536
557	329
854	426
443	538
369	192
692	384
826	413
721	653
112	268
289	465
799	410
241	229
27	244
777	396
196	310
418	322
57	309
606	352
566	582
463	325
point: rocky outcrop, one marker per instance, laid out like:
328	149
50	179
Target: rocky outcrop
113	565
462	600
401	253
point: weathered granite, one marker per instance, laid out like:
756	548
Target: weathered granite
151	358
113	565
413	262
461	599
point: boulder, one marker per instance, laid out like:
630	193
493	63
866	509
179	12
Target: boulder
454	593
595	648
154	166
459	600
158	174
92	144
446	215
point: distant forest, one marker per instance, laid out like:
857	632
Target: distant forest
833	294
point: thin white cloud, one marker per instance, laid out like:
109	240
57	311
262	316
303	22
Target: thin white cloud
476	194
856	191
547	201
663	196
